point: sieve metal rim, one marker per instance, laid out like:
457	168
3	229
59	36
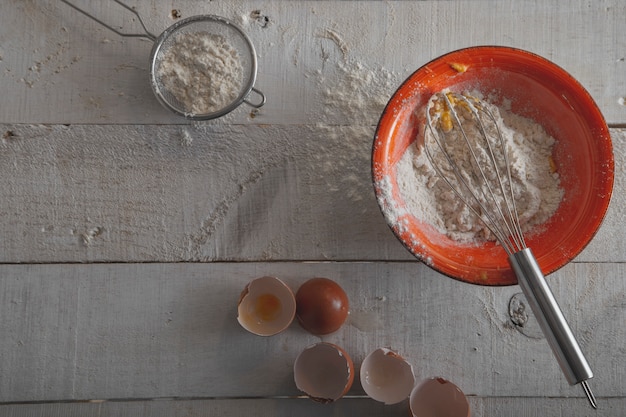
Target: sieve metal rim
245	91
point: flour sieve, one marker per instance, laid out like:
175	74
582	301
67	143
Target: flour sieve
183	99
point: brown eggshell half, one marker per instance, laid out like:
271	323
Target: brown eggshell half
386	376
324	372
267	306
438	397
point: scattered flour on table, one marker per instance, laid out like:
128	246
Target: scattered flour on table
356	92
535	183
203	71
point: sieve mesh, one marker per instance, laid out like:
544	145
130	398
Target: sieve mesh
214	25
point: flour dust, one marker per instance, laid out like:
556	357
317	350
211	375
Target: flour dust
535	182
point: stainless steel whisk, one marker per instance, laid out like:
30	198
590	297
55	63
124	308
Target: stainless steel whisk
481	178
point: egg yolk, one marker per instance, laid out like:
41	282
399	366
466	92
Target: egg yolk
458	67
552	165
267	307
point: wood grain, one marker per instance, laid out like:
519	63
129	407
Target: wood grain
134	193
319	62
279	407
127	233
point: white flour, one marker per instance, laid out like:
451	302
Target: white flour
202	71
357	92
536	185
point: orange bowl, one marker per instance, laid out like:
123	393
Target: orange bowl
537	89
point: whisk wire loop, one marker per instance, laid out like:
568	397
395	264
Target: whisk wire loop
508	196
480	186
470	202
487	199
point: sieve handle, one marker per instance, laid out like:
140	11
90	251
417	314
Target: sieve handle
255	105
551	320
146	33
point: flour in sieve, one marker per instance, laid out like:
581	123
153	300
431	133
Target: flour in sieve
203	71
535	184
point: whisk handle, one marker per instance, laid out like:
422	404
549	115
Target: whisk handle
551	320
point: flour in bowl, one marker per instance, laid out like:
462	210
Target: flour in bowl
203	71
536	185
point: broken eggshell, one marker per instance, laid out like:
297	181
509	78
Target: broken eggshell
386	376
324	372
267	306
438	397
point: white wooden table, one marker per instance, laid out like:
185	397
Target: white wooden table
126	233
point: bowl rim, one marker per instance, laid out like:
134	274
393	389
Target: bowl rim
380	153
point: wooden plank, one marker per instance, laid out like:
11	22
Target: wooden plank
126	331
317	62
279	407
39	321
132	193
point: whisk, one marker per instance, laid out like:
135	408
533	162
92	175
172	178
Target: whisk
463	125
